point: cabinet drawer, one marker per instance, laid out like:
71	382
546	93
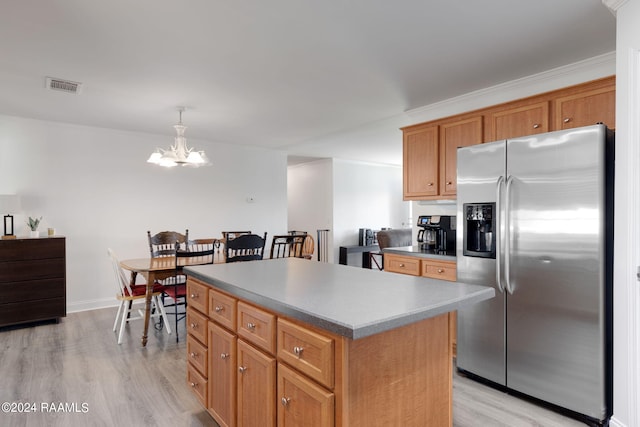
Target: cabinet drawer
32	311
197	355
222	309
306	351
197	325
16	271
402	264
257	326
198	384
197	296
28	249
32	290
439	270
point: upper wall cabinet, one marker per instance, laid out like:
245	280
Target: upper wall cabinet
430	148
460	133
518	121
420	162
586	108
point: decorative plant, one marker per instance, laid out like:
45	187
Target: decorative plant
33	223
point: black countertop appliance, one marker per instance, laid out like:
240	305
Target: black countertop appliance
437	234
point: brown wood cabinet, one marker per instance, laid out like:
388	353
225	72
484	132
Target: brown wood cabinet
32	280
453	135
429	149
432	268
420	160
312	377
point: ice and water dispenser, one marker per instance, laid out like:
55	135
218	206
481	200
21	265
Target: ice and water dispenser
479	237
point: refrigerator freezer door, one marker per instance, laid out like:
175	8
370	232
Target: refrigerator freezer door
555	315
481	327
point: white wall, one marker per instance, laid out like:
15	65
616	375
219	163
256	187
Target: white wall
626	340
94	186
344	196
366	196
310	199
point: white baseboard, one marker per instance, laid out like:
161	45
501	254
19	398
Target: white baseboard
91	304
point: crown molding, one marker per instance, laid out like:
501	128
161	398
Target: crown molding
614	5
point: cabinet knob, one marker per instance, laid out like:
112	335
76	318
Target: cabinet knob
218	308
193	385
567	120
223	356
194	325
430	184
193	355
536	125
401	265
242	369
194	296
449	183
251	326
285	401
440	270
298	350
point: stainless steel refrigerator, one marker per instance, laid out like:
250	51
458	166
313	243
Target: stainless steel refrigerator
535	221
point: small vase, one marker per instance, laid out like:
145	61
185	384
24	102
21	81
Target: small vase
34	233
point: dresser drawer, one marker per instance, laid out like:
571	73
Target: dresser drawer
402	264
29	249
257	326
197	325
197	296
32	290
198	384
222	309
16	271
197	354
307	351
439	270
32	311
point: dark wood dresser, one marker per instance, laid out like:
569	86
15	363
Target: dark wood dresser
32	280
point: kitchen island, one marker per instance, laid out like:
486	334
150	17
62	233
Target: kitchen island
295	342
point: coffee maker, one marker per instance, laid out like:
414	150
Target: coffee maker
437	234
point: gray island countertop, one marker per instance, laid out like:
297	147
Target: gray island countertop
349	301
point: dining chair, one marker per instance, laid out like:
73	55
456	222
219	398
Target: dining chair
287	245
247	247
164	242
308	247
129	293
230	235
202	249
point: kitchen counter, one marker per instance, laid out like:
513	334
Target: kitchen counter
415	251
350	302
296	342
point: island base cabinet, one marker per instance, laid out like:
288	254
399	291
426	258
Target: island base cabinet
222	374
302	402
401	377
256	387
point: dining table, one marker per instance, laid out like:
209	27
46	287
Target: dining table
156	269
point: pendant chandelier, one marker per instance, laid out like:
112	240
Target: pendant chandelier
179	153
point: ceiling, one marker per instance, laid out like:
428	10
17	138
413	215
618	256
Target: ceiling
280	74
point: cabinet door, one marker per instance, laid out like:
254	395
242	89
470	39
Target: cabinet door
587	108
420	160
452	136
302	402
256	387
222	375
520	121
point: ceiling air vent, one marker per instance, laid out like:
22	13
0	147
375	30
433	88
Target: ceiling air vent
63	85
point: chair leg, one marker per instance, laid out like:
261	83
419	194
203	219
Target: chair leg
115	323
163	313
125	316
175	308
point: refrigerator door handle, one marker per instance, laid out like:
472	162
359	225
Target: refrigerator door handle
507	236
498	234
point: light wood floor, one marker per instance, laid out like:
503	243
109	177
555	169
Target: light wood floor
78	363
